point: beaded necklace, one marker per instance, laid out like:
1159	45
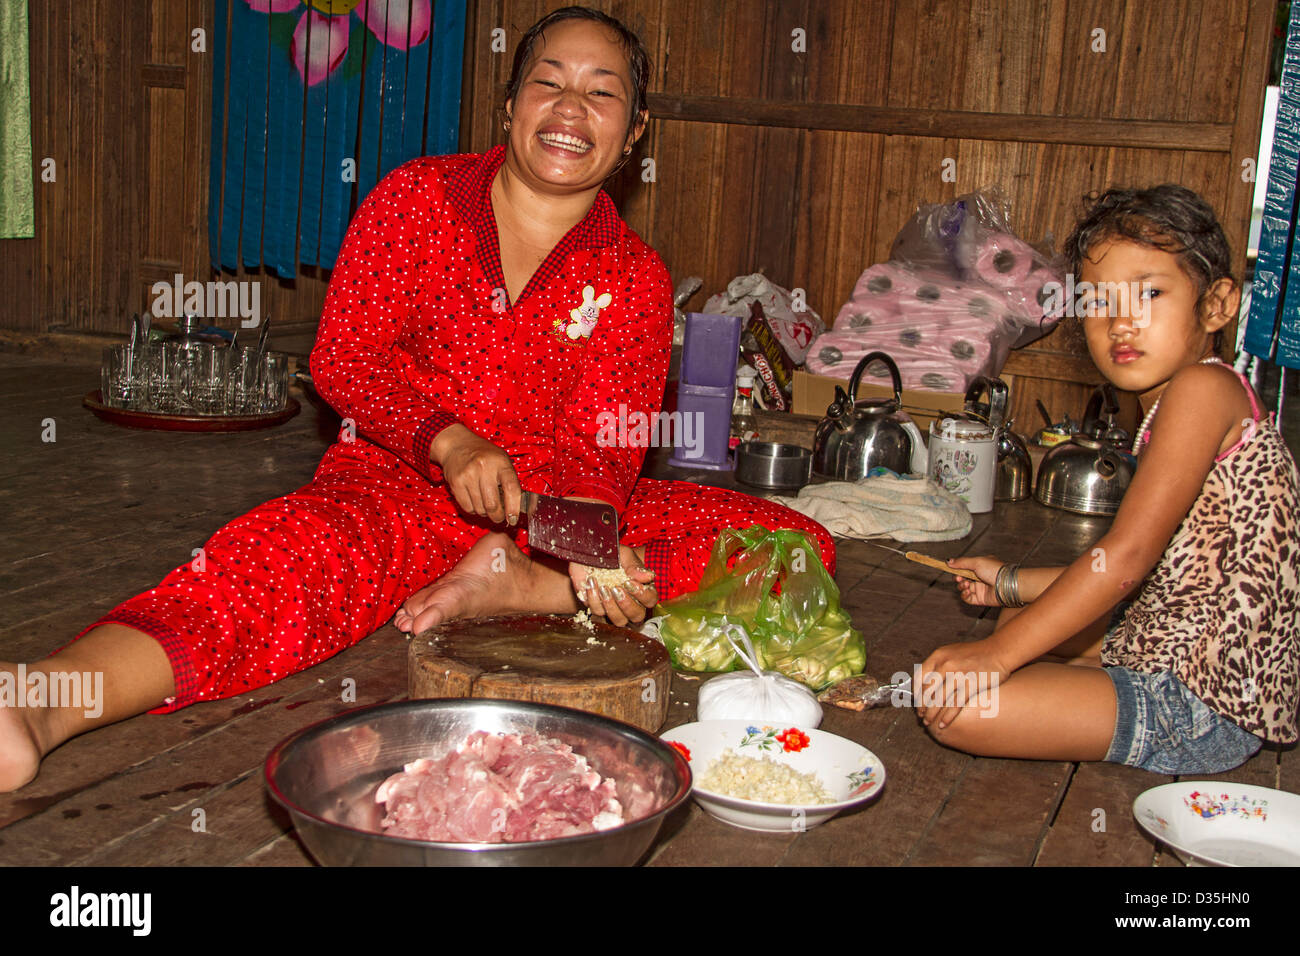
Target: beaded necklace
1144	430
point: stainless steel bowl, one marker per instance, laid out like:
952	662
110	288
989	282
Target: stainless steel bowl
773	465
326	777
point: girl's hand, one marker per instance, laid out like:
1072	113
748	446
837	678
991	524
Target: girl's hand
954	677
979	593
620	605
479	475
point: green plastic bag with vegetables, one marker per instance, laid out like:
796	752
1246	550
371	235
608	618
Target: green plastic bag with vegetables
775	585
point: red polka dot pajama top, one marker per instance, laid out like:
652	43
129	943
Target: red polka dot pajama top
417	333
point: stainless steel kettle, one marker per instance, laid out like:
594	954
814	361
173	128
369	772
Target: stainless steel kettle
855	437
1087	474
1015	468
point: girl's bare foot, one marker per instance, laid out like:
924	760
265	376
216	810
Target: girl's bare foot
494	577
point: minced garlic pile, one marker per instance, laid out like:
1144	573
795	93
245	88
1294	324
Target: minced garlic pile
610	577
603	577
765	781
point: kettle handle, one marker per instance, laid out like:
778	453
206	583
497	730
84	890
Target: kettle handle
997	390
861	367
1103	401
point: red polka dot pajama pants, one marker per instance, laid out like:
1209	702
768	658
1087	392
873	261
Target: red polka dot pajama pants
300	578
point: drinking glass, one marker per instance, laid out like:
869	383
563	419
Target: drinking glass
244	382
275	381
116	387
207	379
148	376
179	371
124	376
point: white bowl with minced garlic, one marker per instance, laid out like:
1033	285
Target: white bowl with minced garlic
763	777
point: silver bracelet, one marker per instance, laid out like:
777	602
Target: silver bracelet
1013	585
1006	586
1000	585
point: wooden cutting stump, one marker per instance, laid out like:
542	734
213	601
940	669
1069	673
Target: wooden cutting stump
549	659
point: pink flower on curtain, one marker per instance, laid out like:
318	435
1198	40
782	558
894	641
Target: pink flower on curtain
320	41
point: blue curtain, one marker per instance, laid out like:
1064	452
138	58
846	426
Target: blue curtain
312	104
1273	325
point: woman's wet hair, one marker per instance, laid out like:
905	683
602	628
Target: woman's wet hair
1168	217
638	60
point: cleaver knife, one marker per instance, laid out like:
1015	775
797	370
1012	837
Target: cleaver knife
580	531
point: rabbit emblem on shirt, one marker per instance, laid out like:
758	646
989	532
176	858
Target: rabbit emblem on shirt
584	317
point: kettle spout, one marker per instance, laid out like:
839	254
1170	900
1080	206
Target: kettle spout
841	410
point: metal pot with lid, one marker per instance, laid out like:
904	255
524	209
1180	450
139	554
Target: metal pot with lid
856	436
1087	474
1015	468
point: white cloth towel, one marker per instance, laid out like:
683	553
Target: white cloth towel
907	509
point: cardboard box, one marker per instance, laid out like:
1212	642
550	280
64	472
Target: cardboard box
814	393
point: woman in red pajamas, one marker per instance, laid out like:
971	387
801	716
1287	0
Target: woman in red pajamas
484	313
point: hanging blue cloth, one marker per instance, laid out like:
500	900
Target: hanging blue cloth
313	102
1273	325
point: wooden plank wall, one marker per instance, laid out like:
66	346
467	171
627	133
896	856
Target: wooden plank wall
805	165
122	104
802	164
86	121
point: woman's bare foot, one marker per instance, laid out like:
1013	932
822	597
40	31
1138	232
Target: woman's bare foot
120	672
494	577
20	747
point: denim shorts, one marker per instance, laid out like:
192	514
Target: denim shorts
1163	727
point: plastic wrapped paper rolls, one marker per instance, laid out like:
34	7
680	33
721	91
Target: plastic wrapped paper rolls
949	363
872	313
1032	299
1003	261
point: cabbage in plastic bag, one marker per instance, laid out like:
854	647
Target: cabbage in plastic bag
830	651
778	589
694	642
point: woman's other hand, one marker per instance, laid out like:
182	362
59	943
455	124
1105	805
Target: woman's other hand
620	605
979	592
478	473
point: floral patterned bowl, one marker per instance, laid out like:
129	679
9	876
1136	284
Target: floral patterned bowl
1216	823
850	773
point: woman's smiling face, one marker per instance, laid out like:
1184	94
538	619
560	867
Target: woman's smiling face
569	121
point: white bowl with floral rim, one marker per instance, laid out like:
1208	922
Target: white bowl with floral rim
1214	823
850	773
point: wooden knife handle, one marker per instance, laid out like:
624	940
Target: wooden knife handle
938	565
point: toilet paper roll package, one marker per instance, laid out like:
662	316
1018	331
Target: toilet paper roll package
948	366
959	289
942	332
971	239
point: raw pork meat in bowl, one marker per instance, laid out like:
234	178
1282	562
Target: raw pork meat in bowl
327	776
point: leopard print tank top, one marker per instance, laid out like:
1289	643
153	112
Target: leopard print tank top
1222	607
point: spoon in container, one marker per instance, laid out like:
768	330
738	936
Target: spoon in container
1042	410
130	347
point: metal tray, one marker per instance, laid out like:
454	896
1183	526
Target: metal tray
130	418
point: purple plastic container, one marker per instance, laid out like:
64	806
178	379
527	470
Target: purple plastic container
700	438
710	350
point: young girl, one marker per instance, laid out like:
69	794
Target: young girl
1174	642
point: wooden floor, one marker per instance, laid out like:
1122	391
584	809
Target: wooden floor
101	512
